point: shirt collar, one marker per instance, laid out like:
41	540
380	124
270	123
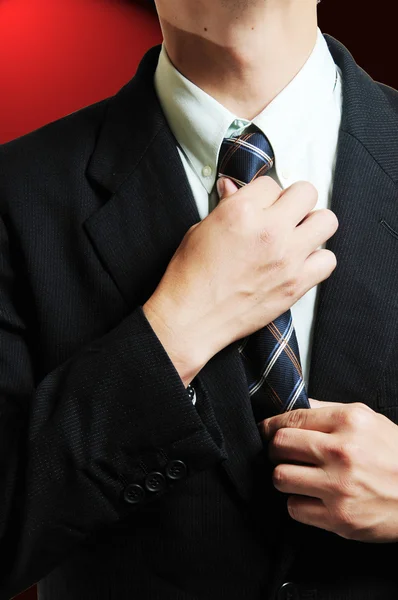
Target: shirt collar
200	123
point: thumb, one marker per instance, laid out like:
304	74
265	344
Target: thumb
226	188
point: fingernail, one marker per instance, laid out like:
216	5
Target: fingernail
221	186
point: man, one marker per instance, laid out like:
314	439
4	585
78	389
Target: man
126	278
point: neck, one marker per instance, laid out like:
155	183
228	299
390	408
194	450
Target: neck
247	59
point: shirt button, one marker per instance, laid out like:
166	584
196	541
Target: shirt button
285	174
176	469
155	482
207	171
134	494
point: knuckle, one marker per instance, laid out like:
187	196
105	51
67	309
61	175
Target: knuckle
278	264
361	410
267	184
291	288
297	418
279	258
340	453
279	439
362	418
364	407
349	460
307	190
268	235
356	416
346	416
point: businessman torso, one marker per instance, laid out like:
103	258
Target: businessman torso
94	208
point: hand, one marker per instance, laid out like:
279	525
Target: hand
340	462
241	267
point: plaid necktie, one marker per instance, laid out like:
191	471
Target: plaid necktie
270	355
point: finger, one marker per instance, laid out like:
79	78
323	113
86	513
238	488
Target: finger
301	479
295	202
309	511
317	267
300	446
315	230
226	188
263	193
320	419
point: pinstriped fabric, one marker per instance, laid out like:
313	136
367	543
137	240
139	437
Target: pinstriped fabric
271	355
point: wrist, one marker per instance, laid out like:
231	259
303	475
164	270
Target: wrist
177	338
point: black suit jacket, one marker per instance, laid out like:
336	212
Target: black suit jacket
93	207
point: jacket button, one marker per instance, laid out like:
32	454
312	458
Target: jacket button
155	482
288	591
176	469
134	493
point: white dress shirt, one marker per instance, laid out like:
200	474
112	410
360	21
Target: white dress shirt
302	124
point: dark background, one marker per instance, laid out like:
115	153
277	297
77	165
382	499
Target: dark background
57	56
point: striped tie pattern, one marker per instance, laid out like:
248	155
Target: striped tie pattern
271	355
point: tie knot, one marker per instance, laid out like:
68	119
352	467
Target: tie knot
246	157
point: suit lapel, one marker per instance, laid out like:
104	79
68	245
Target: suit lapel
357	304
140	227
148	206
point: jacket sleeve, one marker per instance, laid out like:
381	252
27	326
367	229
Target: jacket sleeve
76	450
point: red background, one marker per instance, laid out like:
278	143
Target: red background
57	56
